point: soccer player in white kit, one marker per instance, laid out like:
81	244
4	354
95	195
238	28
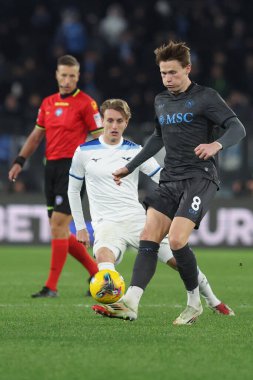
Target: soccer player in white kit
116	213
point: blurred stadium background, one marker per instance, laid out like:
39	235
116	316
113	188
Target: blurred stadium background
114	42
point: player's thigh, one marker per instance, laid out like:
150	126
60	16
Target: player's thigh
156	227
110	235
197	197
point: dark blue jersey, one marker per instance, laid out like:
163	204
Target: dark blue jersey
184	121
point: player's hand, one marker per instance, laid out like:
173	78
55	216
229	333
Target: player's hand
120	173
14	172
83	237
205	151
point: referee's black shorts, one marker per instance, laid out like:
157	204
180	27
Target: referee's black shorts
189	198
56	185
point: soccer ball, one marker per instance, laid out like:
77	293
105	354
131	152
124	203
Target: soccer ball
107	286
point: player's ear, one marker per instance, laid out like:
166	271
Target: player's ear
188	69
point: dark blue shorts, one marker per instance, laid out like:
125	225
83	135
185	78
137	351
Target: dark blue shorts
189	198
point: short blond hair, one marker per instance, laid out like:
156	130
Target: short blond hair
117	105
68	60
177	51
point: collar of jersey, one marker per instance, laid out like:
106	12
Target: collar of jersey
110	146
73	93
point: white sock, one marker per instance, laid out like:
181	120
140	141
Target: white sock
193	298
133	296
106	265
206	290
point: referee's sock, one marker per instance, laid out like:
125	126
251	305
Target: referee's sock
145	264
58	257
80	253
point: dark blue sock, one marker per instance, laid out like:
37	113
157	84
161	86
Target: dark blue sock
145	263
187	266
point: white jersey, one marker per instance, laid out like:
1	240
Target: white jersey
96	161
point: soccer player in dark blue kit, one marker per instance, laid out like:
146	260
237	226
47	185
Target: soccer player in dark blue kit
186	114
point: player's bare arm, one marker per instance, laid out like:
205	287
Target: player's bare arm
31	144
83	237
205	151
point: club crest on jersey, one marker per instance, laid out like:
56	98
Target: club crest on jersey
58	112
189	103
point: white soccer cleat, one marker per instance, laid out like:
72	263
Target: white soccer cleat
116	310
188	316
222	309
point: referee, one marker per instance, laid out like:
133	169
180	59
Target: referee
64	120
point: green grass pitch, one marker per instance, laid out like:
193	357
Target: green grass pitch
58	339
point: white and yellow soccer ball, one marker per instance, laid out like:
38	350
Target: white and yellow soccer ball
107	286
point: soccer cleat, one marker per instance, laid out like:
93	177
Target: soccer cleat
116	310
45	292
188	316
223	309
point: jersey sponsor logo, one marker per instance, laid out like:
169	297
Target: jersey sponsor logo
58	112
63	104
176	118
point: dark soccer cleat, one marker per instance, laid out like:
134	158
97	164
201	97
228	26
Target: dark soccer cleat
45	292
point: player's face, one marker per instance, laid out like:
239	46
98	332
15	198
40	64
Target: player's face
114	124
175	77
67	78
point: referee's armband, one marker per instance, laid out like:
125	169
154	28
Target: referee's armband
20	160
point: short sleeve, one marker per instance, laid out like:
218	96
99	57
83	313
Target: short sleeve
77	169
91	116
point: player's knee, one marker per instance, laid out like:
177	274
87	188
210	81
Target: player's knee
104	255
59	231
176	241
148	234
